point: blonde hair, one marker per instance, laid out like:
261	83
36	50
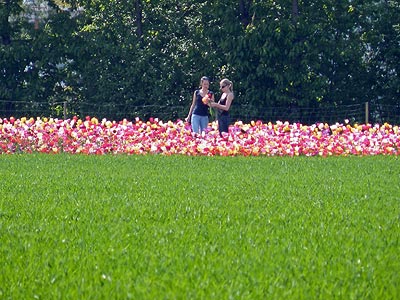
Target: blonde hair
227	82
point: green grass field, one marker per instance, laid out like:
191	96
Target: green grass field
157	227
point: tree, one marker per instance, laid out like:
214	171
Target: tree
381	40
117	58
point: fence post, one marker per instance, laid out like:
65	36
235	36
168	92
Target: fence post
366	112
65	110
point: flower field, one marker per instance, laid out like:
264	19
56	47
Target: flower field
93	136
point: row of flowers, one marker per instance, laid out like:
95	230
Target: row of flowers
93	136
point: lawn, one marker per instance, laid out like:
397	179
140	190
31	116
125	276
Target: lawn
180	227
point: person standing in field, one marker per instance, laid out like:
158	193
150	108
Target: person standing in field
224	105
198	112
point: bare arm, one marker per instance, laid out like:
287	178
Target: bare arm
191	107
227	105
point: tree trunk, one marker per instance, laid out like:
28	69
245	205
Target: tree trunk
139	18
244	10
295	10
5	28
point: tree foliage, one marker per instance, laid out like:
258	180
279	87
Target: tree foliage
122	53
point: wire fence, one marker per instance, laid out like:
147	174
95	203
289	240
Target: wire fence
355	113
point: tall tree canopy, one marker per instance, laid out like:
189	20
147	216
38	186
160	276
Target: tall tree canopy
120	54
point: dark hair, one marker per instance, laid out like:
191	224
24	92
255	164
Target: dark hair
204	78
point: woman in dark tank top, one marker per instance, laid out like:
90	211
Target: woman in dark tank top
224	105
198	112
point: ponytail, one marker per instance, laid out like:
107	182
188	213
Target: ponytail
227	82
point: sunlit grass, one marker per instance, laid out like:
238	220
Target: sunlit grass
156	227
